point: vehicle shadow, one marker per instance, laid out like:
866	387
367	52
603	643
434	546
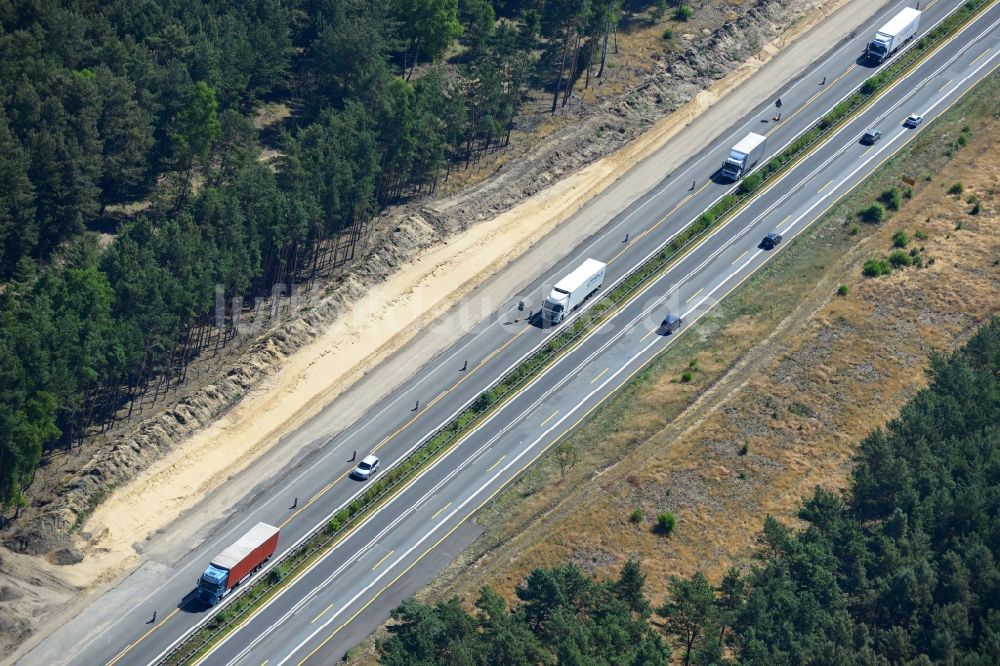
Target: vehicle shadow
868	63
192	604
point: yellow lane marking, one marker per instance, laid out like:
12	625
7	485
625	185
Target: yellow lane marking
440	510
552	416
825	186
739	257
867	150
321	614
384	558
661	220
496	463
647	335
406	425
944	85
142	638
571	428
691	298
264	663
980	56
785	230
598	376
809	101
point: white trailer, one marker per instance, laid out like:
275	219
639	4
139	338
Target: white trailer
744	156
572	290
900	29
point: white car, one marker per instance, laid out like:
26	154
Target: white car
366	468
913	120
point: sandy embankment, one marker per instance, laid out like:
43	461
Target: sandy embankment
395	311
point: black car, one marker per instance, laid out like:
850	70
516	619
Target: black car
671	323
871	136
770	241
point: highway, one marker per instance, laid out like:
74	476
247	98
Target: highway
355	586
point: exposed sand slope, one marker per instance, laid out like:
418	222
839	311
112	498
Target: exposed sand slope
394	312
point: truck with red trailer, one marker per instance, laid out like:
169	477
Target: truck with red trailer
237	563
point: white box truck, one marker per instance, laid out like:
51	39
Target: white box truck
900	29
572	290
744	156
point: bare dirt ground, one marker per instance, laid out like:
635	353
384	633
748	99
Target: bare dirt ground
786	381
422	261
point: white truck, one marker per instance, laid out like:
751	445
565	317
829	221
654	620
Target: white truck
572	290
900	29
744	156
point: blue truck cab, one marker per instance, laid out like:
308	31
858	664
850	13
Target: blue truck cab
212	585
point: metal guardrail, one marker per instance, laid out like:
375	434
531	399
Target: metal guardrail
621	292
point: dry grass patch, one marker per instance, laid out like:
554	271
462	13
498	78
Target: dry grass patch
786	386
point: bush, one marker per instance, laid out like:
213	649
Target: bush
892	198
853	230
668	34
956	188
745	448
683	13
873	214
636	516
665	523
876	268
751	183
975	209
900	239
842	290
686	377
920	234
898	259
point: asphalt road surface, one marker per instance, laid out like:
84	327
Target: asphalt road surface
353	588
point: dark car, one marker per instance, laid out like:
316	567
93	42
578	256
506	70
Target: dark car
871	136
671	323
770	241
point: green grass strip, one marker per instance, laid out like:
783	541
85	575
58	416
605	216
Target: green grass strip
381	489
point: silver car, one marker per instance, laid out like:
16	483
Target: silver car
366	468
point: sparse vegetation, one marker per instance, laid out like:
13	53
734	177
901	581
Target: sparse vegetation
892	198
900	259
853	229
665	523
873	214
876	268
683	13
920	234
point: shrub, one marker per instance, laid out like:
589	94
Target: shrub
876	268
898	259
750	184
668	34
956	188
665	523
854	229
892	198
972	199
636	516
899	239
683	13
686	377
975	209
920	234
842	290
276	574
745	448
873	214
